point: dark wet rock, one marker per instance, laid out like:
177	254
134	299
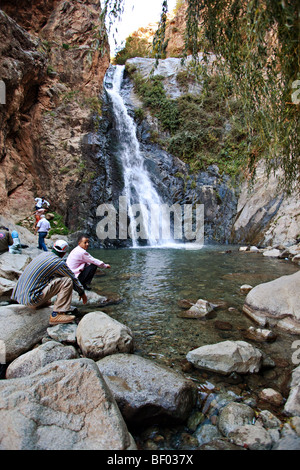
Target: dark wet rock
223	325
220	444
146	391
185	304
288	443
234	415
259	334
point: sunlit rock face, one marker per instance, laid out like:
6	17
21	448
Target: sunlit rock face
53	74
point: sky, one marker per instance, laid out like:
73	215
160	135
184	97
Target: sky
137	13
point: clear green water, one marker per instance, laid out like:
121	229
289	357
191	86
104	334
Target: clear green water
151	281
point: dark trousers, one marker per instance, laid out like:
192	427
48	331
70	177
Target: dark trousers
86	276
42	244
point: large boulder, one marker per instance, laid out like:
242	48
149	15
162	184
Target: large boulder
12	266
93	299
251	437
98	335
64	406
264	214
168	69
234	415
146	391
39	357
227	357
6	286
21	328
276	303
64	333
26	237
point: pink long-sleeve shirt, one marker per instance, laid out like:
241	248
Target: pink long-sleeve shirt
79	258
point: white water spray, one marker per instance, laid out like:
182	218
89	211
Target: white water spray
138	187
149	217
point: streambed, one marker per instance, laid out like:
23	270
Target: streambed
151	282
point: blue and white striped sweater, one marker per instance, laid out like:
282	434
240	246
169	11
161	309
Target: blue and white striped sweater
37	276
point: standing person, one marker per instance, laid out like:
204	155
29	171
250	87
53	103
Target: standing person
83	265
5	239
40	202
38	214
46	276
42	227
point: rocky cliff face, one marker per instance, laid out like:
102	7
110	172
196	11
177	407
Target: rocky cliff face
23	70
169	175
259	215
53	75
57	134
265	215
262	214
175	32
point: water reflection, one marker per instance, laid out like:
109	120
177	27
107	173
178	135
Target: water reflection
151	281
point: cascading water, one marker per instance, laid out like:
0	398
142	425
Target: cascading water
142	198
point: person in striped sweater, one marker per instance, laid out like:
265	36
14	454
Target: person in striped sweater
46	276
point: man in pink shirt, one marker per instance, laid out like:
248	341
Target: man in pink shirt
83	264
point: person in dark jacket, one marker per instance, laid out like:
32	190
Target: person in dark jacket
5	239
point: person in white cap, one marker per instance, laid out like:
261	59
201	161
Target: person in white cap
47	276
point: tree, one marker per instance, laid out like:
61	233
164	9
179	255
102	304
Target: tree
257	48
134	47
257	43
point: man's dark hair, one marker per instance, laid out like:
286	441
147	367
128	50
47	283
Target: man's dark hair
83	235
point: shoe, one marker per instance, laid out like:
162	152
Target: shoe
57	318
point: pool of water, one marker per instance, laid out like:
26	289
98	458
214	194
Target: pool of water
151	282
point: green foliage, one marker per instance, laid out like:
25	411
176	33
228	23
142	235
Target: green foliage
50	70
63	170
178	5
139	114
256	43
111	12
260	45
154	97
134	47
204	129
159	42
257	49
57	225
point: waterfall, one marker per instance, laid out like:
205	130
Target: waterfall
142	198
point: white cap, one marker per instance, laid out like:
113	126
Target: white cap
61	246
